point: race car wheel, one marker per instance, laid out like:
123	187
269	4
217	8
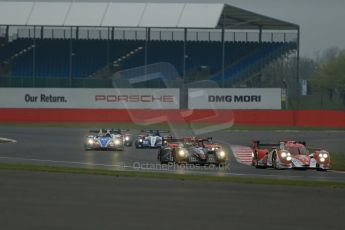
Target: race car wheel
318	168
274	161
321	169
163	162
174	158
255	162
160	158
128	144
220	164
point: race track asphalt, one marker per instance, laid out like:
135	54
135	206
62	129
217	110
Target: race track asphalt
64	147
38	200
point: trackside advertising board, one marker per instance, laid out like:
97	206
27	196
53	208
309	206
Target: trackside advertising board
89	98
234	98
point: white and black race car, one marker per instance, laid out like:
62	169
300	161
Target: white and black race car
199	151
150	139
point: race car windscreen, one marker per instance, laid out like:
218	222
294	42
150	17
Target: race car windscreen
301	150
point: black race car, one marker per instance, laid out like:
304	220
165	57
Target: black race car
198	151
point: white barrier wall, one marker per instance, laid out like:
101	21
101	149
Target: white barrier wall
234	98
89	98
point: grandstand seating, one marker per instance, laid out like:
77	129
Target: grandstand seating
263	54
7	50
53	56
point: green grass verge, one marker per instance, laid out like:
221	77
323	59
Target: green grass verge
338	161
161	126
172	176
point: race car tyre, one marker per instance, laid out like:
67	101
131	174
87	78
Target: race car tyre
255	162
162	162
220	164
128	144
320	169
87	148
274	161
159	158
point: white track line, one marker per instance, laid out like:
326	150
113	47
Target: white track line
63	162
124	166
336	171
6	139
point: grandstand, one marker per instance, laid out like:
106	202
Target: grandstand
94	44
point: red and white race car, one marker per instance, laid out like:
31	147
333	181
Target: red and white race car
289	154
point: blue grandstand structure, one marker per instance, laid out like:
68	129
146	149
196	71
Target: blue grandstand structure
30	50
52	56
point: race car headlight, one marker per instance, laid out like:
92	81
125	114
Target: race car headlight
90	141
213	148
140	140
285	154
322	159
288	158
127	138
323	155
222	154
181	153
117	142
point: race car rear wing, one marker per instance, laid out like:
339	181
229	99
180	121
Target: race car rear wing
170	140
315	149
97	131
203	139
112	130
154	130
258	144
123	130
296	142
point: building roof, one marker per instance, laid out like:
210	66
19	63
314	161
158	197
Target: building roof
154	15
